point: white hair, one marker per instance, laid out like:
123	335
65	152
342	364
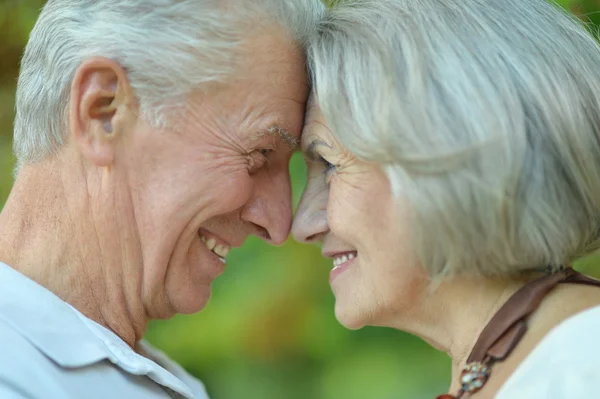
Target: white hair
167	47
485	116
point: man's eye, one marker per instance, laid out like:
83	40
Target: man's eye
265	151
258	159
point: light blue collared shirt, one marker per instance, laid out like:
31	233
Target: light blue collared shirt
50	350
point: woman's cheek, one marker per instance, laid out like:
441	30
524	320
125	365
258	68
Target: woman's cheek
341	210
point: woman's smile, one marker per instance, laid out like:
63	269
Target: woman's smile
341	262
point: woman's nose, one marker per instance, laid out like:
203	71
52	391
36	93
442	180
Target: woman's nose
309	227
310	222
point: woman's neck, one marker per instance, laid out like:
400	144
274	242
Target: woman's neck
452	317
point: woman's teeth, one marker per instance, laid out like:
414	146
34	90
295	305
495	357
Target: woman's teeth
220	250
340	260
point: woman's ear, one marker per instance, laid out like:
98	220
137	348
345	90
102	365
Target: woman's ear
99	109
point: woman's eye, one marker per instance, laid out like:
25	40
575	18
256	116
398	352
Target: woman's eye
265	151
329	167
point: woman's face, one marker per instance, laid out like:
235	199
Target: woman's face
348	206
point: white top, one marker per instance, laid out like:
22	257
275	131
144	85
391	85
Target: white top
564	365
50	350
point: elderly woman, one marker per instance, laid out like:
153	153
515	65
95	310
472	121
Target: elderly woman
453	150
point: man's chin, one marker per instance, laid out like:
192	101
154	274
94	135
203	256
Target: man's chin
189	301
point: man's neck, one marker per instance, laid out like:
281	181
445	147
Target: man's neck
54	240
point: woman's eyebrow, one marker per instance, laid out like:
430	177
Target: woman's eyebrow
310	151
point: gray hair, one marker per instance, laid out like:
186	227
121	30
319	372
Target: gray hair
485	116
168	48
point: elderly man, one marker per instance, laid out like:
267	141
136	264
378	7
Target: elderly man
151	137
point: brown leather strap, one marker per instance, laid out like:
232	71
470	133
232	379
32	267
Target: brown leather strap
524	302
578	278
504	331
502	348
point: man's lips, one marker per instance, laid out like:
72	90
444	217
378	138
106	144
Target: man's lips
215	244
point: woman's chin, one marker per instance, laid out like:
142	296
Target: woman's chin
349	316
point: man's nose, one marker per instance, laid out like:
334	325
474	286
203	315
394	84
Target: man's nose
270	207
310	222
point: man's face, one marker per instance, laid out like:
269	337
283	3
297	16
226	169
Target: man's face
220	176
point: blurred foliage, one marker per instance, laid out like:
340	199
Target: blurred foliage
269	331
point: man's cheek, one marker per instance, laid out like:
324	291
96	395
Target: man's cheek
232	191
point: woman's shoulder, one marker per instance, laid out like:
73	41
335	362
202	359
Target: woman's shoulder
565	364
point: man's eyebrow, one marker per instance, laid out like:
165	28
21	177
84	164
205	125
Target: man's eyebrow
310	150
288	138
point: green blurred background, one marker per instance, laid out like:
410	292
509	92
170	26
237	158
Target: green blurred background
269	331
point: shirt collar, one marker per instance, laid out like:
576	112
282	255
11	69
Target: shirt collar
66	336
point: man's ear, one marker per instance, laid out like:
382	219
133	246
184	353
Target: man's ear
100	109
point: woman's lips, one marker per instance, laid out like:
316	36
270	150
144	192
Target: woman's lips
341	262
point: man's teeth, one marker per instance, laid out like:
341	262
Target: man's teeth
210	243
220	250
339	260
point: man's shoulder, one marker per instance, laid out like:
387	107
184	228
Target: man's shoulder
49	349
18	351
173	367
25	372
